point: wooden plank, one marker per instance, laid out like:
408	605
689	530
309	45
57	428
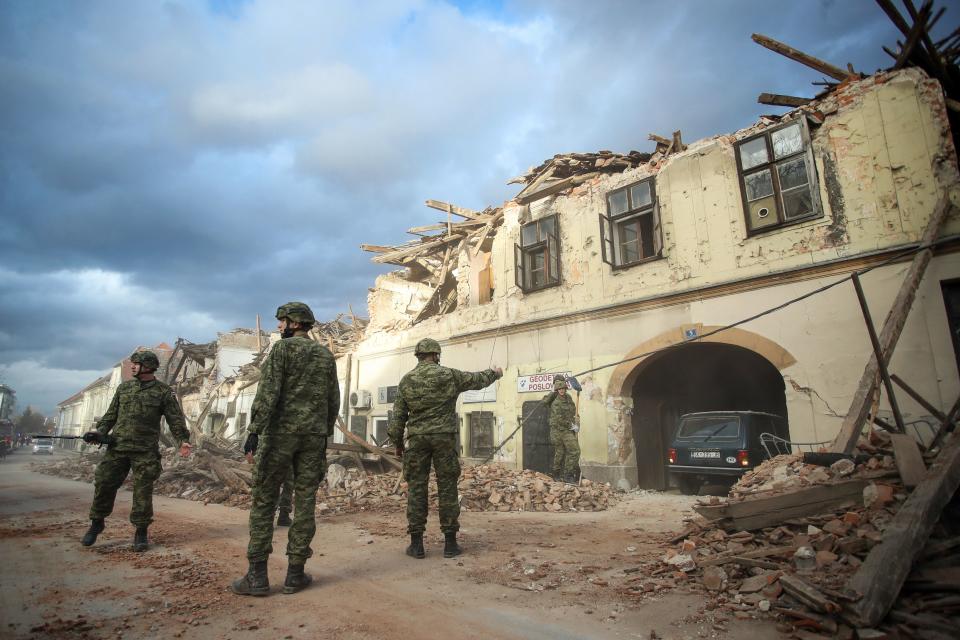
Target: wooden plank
482	238
376	248
909	461
754	562
555	187
816	495
446	207
392	461
814	63
888	564
807	594
778	100
893	325
766	552
425	247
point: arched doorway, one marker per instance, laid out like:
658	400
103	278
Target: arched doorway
699	376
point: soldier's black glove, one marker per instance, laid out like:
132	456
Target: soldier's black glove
400	449
250	446
93	437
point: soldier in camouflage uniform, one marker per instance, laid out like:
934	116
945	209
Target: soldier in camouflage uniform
564	425
425	409
294	411
134	417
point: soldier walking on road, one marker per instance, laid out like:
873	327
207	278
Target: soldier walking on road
425	408
564	426
134	417
295	409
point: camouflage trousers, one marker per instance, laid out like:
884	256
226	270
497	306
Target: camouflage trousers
285	504
566	451
279	455
443	450
110	474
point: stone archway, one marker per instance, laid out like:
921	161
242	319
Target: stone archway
733	369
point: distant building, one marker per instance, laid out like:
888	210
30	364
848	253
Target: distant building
8	402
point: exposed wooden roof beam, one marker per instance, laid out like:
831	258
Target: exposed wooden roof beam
814	63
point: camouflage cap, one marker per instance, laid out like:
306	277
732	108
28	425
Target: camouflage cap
559	381
296	312
427	345
146	358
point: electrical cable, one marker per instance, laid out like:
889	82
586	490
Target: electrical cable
895	258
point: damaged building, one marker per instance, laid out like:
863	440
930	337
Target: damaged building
610	258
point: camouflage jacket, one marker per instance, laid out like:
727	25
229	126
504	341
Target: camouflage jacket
134	415
563	411
298	390
426	401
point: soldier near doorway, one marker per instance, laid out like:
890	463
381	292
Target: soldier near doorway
564	426
425	411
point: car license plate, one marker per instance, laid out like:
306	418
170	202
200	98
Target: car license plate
705	454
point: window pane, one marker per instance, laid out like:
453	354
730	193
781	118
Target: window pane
753	153
548	227
537	269
759	184
797	203
640	195
787	141
793	173
618	202
528	234
646	236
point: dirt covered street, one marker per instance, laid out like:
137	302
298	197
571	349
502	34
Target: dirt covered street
524	575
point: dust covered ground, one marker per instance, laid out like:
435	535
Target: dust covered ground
524	575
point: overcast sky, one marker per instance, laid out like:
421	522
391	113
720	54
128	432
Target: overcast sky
172	168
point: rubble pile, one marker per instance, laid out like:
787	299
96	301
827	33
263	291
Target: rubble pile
338	335
565	165
494	487
212	478
792	537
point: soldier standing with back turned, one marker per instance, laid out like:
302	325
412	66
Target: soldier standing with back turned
134	418
295	409
425	408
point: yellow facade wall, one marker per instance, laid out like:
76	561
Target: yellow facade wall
883	157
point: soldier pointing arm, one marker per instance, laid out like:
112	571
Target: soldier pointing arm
425	412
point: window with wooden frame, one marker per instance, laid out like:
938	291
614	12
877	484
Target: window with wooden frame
630	233
480	433
777	178
538	255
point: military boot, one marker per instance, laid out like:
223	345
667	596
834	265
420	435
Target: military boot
283	519
415	550
140	539
296	579
96	528
255	583
450	546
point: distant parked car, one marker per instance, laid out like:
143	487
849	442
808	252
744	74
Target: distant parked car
719	446
42	445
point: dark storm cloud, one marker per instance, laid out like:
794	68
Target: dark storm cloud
174	168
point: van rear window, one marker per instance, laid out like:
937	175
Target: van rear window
710	428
